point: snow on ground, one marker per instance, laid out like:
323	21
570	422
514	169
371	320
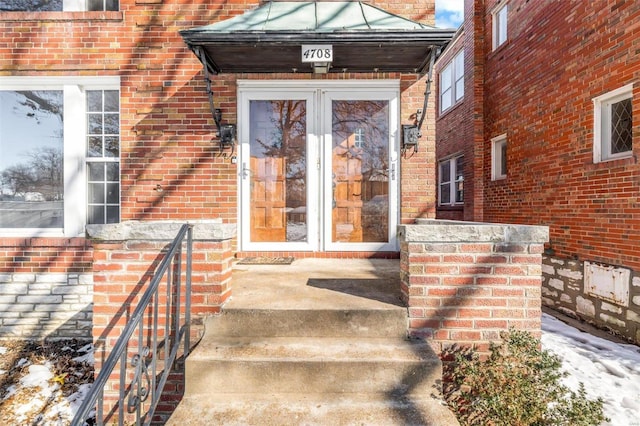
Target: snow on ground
608	370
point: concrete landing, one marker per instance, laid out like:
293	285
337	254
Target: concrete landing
318	284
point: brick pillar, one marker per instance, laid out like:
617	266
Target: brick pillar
464	282
126	256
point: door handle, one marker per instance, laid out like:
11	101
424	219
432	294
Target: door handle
245	172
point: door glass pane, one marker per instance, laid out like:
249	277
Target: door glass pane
360	171
277	142
31	159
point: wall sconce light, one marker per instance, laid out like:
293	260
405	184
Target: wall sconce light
321	67
226	132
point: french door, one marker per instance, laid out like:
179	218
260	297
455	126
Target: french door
318	166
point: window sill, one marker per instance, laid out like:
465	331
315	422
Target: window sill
451	207
499	49
62	16
450	109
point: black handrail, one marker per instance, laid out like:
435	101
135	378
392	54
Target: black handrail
144	383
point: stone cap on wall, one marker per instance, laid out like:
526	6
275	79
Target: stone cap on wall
433	230
203	230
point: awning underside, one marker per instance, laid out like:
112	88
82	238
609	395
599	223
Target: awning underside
269	39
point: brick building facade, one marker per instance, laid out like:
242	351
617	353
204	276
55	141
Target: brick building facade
546	126
122	103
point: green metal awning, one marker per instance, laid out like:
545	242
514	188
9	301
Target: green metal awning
364	38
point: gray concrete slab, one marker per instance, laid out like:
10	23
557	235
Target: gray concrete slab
318	284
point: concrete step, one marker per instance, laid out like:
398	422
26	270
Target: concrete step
311	410
312	365
384	321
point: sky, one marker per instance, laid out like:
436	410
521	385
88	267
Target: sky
449	13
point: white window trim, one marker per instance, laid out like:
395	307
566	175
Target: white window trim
453	69
496	156
602	145
452	181
74	146
497	25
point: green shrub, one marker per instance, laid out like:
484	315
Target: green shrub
518	384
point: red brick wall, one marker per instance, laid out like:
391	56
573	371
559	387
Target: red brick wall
42	255
464	285
539	88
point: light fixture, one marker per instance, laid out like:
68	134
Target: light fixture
321	67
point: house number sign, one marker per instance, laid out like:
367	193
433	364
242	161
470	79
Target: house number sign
317	53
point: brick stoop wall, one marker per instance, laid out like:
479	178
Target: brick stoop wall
464	282
125	258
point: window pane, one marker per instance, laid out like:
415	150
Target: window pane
459	168
30	5
445	171
94	124
111	101
112	146
446	78
111	124
503	158
111	4
94	101
31	159
459	89
94	146
502	26
96	214
96	193
113	172
113	193
621	126
459	192
113	214
446	100
96	172
445	194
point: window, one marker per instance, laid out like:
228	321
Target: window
499	157
57	5
613	123
103	156
59	150
499	26
358	138
451	181
452	82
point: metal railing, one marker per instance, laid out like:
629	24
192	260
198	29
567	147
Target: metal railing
144	363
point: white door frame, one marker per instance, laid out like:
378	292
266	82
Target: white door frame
318	95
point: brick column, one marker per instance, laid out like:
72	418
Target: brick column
126	256
464	282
